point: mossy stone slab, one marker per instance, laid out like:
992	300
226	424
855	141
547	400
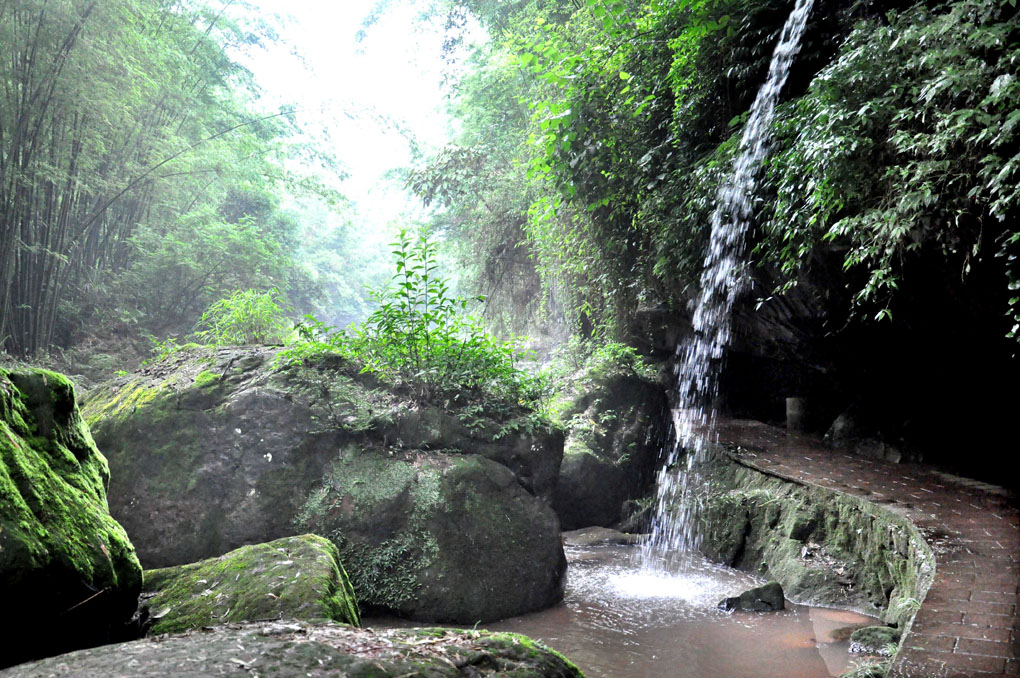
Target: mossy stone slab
300	649
294	578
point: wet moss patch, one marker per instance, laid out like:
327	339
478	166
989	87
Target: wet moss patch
65	564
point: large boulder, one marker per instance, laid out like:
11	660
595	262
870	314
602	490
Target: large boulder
437	511
69	577
293	578
302	649
439	537
615	420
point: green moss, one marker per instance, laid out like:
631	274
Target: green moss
58	543
206	378
387	572
297	578
542	660
112	403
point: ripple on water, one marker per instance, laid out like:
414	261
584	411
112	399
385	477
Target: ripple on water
620	621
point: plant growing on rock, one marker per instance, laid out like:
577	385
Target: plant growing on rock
421	335
246	317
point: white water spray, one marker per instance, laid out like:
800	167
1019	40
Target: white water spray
674	530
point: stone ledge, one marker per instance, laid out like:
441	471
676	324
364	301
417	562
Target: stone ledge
967	623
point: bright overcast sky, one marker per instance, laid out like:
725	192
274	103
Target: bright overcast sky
395	71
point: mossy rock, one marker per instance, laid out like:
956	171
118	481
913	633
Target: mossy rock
439	537
875	640
294	577
66	566
217	448
615	423
289	648
825	547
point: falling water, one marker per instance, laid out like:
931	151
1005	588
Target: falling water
698	358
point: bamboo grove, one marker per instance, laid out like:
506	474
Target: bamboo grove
122	122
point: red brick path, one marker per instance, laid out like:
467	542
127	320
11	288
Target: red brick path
968	624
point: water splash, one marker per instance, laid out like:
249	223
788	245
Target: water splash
674	527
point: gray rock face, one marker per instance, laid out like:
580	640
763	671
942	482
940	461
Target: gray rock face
767	598
615	428
847	432
289	648
69	577
437	512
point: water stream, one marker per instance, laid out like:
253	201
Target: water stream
698	358
618	620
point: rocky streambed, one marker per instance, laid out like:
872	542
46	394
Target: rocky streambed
434	512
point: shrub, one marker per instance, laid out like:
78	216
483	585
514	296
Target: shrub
421	335
246	317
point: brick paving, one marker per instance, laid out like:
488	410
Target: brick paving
968	624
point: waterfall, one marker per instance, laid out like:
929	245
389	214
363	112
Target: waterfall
698	358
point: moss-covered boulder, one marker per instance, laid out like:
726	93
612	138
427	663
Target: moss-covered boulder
294	578
288	648
69	576
615	418
439	537
437	511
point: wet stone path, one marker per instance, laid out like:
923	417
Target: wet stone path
968	625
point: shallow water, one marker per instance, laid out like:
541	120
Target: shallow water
619	621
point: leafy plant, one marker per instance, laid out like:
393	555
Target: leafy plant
905	146
421	335
246	317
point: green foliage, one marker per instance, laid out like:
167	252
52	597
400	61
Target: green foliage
117	129
906	145
421	336
868	668
163	348
597	359
896	145
140	180
616	157
246	317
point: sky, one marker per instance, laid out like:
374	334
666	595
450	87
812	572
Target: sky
351	87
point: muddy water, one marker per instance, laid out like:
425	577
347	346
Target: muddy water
619	621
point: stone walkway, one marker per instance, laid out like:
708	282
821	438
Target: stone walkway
968	624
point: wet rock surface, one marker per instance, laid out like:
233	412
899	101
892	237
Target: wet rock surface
66	566
291	648
615	423
600	536
766	598
437	512
294	578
